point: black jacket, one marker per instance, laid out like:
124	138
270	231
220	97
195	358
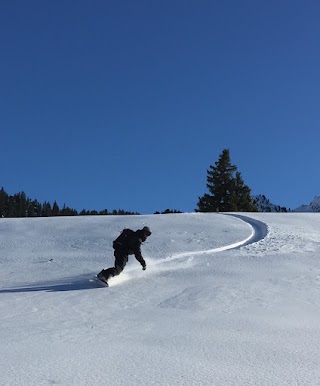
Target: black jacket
133	246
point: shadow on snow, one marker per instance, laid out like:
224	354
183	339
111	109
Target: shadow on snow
77	283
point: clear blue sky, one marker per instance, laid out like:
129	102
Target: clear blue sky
125	104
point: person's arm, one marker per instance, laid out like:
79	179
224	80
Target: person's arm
138	254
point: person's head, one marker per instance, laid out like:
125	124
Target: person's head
146	231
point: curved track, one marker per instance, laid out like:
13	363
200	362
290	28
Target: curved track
260	229
259	232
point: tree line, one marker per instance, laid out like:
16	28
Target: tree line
19	205
227	192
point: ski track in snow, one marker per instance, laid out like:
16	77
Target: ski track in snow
259	229
259	232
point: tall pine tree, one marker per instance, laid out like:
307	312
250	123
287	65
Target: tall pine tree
228	193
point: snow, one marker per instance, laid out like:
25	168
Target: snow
225	300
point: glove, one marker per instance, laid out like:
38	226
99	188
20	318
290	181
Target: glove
144	267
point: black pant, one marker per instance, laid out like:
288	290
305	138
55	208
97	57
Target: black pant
121	259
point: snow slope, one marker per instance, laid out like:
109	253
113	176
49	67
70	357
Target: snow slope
225	300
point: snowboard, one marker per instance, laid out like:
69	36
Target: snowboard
101	281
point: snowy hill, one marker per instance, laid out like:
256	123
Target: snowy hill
225	300
314	206
264	205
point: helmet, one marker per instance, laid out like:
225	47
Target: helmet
146	231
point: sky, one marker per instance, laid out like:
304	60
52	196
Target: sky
225	300
125	105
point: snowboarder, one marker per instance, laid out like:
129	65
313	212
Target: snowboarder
128	243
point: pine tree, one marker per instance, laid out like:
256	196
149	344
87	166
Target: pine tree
46	209
21	204
228	193
31	211
4	198
220	185
66	211
12	207
37	208
55	209
242	196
